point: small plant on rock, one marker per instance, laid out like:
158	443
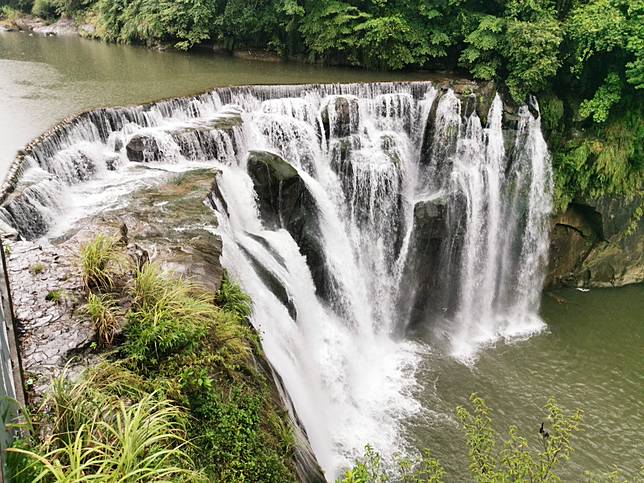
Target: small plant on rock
101	310
231	298
37	268
56	296
101	263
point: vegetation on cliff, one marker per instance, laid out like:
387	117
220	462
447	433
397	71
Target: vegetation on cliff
182	395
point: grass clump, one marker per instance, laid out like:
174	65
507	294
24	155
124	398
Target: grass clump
101	263
37	268
171	315
102	310
55	296
97	435
231	298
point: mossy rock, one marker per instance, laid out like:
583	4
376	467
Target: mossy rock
277	168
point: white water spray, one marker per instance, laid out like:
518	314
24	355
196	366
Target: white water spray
367	155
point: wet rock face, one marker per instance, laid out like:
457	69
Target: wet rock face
284	202
340	117
143	149
51	328
423	260
591	245
571	239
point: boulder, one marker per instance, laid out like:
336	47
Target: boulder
419	293
142	148
341	116
285	202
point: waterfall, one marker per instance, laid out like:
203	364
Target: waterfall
351	214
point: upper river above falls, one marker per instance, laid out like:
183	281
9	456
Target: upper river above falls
589	356
45	79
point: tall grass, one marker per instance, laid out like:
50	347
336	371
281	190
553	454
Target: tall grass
108	428
171	314
101	263
102	310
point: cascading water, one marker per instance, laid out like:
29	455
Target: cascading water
350	214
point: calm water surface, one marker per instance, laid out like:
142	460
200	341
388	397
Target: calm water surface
592	356
44	79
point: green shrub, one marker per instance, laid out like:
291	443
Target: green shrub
370	469
101	263
607	161
515	461
9	14
230	433
44	9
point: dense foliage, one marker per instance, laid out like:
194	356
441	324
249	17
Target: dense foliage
182	395
584	57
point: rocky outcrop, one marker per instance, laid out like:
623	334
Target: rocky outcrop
597	243
421	274
285	202
341	116
142	148
63	26
173	221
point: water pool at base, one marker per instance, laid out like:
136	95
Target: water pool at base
590	357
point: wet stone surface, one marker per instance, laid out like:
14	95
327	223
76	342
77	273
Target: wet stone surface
50	332
171	223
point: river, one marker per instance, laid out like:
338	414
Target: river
589	357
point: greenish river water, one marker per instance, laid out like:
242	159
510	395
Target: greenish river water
591	357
